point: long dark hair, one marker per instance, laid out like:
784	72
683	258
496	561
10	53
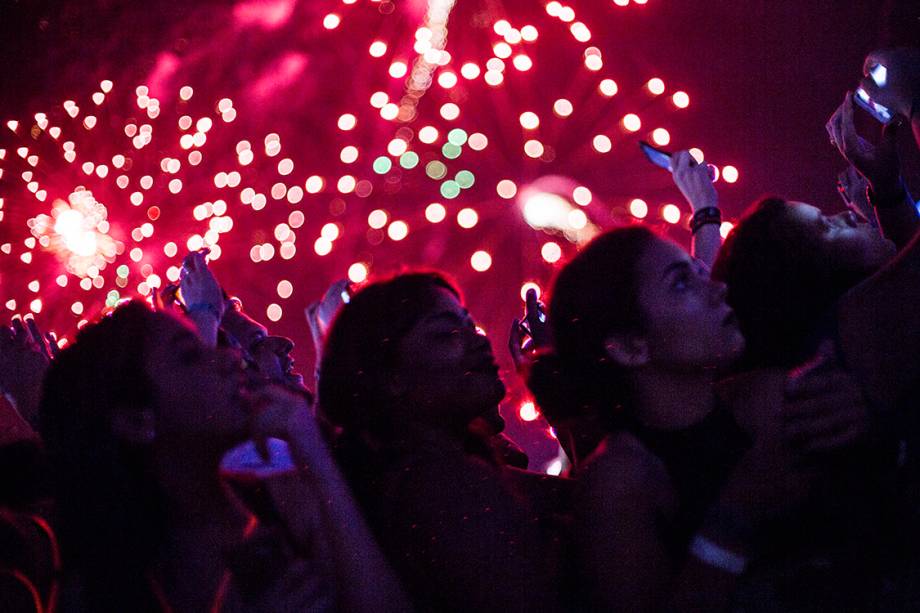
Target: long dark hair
360	353
594	295
781	283
109	508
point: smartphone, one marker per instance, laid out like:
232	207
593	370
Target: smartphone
879	74
656	156
879	112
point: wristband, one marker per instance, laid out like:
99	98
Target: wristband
713	555
203	306
704	217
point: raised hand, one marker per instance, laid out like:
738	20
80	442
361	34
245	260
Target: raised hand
199	286
852	187
891	77
694	181
529	335
25	354
321	313
877	163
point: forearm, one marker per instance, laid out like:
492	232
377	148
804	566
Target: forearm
705	244
896	213
364	578
206	323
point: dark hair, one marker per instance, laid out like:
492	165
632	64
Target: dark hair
781	283
594	295
110	509
360	352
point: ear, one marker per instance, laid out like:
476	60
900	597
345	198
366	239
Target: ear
134	426
628	351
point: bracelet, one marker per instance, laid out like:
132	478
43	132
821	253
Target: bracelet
204	306
709	553
704	217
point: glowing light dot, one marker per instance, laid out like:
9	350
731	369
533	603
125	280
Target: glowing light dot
681	100
285	289
408	160
670	213
580	31
357	272
551	252
660	136
481	261
529	120
528	411
506	189
502	50
347	121
398	69
295	194
175	186
346	184
655	86
555	467
398	230
582	195
533	148
631	122
530	285
725	228
377	219
62	280
435	212
494	78
450	111
594	62
76	308
697	155
428	134
447	80
379	99
730	174
279	190
349	154
330	231
36	305
562	107
608	87
314	184
285	166
467	218
638	208
577	219
601	143
331	22
469	71
274	312
397	147
522	62
478	141
378	48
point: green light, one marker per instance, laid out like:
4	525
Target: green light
382	165
457	137
122	271
408	160
450	189
436	170
451	151
465	179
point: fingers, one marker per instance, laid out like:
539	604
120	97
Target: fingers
20	334
681	161
515	338
53	346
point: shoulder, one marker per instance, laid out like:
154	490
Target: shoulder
622	472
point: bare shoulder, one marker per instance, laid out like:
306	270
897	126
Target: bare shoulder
622	469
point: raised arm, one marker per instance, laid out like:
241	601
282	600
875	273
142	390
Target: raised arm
695	183
879	164
897	86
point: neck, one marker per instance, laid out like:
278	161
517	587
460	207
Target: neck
672	400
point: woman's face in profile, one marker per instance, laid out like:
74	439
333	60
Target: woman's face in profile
446	366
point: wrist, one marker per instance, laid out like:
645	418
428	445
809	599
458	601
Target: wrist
714	554
204	308
710	215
